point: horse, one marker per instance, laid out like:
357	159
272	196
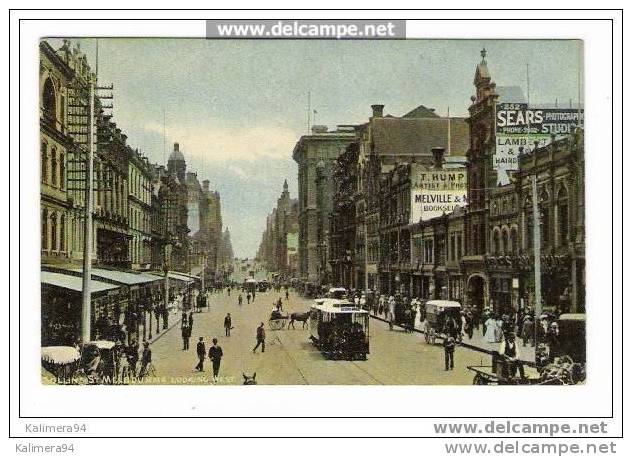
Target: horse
250	380
300	317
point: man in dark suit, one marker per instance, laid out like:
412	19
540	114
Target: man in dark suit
215	353
201	353
261	339
228	324
186	334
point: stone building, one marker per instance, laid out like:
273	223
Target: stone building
173	195
60	239
498	263
315	154
140	181
342	220
388	149
278	248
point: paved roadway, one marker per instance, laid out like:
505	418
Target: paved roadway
290	358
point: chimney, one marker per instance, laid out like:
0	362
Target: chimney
437	154
176	146
378	110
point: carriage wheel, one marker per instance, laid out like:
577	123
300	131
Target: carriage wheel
274	324
479	380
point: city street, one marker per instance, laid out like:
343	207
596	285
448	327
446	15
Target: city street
290	358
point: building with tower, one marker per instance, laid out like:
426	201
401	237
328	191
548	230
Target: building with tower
279	242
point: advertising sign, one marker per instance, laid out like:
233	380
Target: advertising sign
507	150
517	126
519	119
436	192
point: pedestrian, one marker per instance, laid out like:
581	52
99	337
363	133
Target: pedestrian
449	343
145	360
261	339
253	295
287	294
391	312
201	353
190	322
215	354
509	350
186	334
527	331
280	305
227	324
248	298
240	299
132	355
184	321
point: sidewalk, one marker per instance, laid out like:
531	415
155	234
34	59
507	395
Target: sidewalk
478	342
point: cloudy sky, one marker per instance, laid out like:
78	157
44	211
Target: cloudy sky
238	107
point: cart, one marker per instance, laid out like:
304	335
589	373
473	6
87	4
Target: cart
563	371
277	321
61	361
498	373
437	313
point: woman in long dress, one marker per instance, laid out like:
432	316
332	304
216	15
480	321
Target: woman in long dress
491	330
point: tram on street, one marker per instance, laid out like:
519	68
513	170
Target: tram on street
340	329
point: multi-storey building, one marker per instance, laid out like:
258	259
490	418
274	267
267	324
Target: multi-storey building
140	181
498	225
342	220
278	248
59	242
315	155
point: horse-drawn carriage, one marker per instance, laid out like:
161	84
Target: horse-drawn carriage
442	317
340	329
278	321
564	365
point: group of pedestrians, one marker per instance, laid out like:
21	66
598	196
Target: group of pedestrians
215	354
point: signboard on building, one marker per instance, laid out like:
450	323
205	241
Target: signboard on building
517	126
436	192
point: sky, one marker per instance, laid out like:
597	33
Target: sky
237	107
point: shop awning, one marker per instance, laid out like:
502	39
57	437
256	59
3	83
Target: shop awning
180	277
123	277
71	282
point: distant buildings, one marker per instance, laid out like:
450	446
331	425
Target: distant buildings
279	243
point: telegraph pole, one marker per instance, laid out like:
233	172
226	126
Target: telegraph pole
86	302
536	259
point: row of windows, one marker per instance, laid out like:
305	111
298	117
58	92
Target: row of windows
53	231
53	171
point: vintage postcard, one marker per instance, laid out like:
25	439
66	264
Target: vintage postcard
312	212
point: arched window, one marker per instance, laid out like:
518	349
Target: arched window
62	233
514	240
44	159
53	167
562	215
496	242
49	100
62	170
53	231
506	248
45	229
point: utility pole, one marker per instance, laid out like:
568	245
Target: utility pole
536	259
86	301
366	254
